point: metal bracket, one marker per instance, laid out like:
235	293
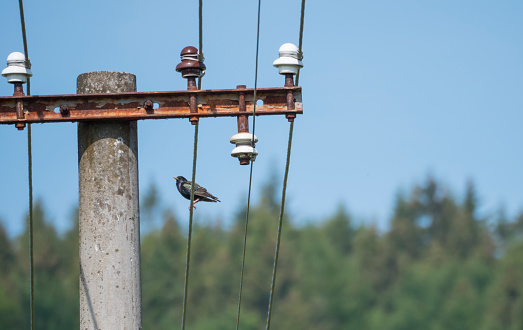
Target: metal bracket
140	105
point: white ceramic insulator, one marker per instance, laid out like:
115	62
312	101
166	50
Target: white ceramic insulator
16	70
244	151
244	147
243	138
289	61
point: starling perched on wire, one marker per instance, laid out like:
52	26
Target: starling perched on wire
200	193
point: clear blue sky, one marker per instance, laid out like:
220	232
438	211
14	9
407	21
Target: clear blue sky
392	91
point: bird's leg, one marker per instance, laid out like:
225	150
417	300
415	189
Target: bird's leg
194	202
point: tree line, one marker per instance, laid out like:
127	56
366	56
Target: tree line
439	265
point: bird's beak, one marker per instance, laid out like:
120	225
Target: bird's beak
175	178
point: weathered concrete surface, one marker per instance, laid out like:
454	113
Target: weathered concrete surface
110	290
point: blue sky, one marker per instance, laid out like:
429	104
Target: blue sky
393	91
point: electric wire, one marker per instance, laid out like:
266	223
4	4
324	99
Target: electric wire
244	249
300	42
256	75
31	239
200	35
30	172
284	190
252	164
278	238
186	286
195	154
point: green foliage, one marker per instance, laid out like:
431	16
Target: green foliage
439	266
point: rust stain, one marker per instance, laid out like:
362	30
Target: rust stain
132	106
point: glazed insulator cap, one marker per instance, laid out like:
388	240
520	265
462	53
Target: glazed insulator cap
190	65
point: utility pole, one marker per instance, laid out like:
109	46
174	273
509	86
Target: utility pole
106	108
110	290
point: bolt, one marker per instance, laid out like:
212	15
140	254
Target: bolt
20	126
243	120
194	120
148	105
244	160
289	80
191	84
19	89
64	109
290	105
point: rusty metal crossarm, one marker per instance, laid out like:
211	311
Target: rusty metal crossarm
148	105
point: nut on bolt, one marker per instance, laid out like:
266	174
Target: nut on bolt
64	109
148	105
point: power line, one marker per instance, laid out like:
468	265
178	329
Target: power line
30	171
24	38
278	239
200	35
186	286
252	165
300	42
256	76
193	186
284	189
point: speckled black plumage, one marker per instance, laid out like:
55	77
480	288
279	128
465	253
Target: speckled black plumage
200	193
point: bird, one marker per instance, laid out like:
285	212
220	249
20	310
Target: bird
200	193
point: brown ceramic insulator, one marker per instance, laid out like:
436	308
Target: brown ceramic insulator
190	65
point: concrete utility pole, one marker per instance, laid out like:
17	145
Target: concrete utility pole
110	290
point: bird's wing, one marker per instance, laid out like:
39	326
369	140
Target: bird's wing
187	186
199	191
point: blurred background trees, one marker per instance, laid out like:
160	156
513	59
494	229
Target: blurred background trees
438	266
